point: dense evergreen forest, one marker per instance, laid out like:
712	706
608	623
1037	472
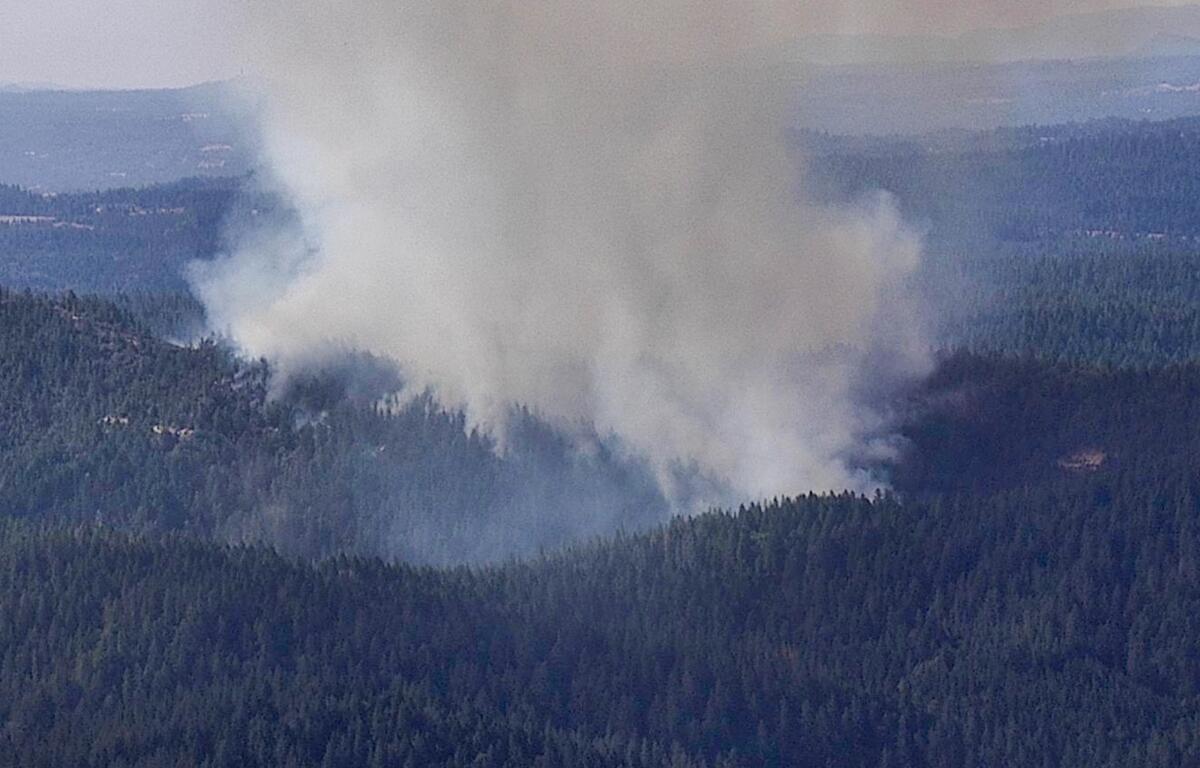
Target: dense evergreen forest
122	240
203	565
1077	243
1049	626
1025	595
103	422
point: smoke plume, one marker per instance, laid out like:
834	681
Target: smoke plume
590	209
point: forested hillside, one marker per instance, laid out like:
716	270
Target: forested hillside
201	564
1077	243
1020	628
103	422
1118	178
121	240
1027	596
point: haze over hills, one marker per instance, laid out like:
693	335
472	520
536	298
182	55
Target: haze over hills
215	558
917	99
1130	32
25	87
1134	63
56	140
1072	244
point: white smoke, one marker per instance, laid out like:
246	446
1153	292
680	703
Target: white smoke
591	209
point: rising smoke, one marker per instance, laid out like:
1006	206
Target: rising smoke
590	209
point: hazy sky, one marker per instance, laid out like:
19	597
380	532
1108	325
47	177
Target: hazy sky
146	43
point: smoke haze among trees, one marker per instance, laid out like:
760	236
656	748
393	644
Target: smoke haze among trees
434	525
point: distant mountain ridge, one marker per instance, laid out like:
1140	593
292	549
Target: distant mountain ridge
63	140
35	86
1151	31
1133	64
915	99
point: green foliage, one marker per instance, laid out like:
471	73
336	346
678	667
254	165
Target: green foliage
1076	243
1027	595
1008	629
103	422
135	240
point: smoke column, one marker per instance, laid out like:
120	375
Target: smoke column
590	209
